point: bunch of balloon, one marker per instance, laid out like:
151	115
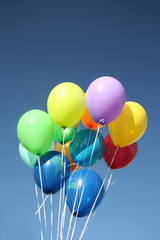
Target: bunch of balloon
65	165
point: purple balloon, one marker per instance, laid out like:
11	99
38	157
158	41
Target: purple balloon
105	99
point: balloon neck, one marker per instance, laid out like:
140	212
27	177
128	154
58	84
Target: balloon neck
101	122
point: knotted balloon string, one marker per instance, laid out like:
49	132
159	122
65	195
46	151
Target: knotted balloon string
65	203
75	222
39	212
60	198
83	231
51	215
44	209
75	199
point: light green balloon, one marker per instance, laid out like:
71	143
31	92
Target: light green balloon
27	157
36	131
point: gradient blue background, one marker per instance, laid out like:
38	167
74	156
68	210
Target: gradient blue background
44	43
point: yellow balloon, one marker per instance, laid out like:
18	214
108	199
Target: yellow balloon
66	104
129	126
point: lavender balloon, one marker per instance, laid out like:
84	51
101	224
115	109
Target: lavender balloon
105	99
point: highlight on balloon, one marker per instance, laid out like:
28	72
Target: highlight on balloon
64	146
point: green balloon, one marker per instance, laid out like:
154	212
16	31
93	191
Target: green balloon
27	157
69	133
36	131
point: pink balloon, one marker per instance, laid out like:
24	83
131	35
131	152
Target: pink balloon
105	99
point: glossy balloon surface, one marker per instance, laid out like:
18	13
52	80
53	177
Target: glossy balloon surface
68	133
105	99
66	104
123	157
51	170
36	131
84	150
92	183
129	126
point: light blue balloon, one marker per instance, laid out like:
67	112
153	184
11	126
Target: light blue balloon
84	150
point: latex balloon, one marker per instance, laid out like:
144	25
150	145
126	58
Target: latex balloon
66	104
88	121
58	147
27	157
105	99
69	133
129	126
36	131
92	183
51	172
123	157
84	150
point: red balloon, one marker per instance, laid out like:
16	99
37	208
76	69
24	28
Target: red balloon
123	157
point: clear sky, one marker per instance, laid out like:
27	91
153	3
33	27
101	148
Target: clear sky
44	43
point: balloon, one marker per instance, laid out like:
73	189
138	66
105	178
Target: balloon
66	104
35	131
51	171
105	99
27	157
88	121
69	133
123	157
58	148
129	126
92	183
81	148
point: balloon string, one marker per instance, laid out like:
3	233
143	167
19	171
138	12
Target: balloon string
75	222
70	222
44	210
65	204
97	195
39	208
51	215
39	212
60	198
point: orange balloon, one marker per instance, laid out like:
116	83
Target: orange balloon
58	148
88	121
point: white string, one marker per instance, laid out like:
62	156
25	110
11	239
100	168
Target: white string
75	222
39	212
65	204
42	205
51	215
44	210
97	196
73	209
60	198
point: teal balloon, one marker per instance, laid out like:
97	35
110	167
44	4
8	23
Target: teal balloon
69	133
83	145
27	157
36	131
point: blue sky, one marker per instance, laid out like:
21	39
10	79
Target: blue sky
44	43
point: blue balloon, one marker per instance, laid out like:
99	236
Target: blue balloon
51	171
92	183
82	146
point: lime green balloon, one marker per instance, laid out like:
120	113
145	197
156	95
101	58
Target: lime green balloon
69	133
36	131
